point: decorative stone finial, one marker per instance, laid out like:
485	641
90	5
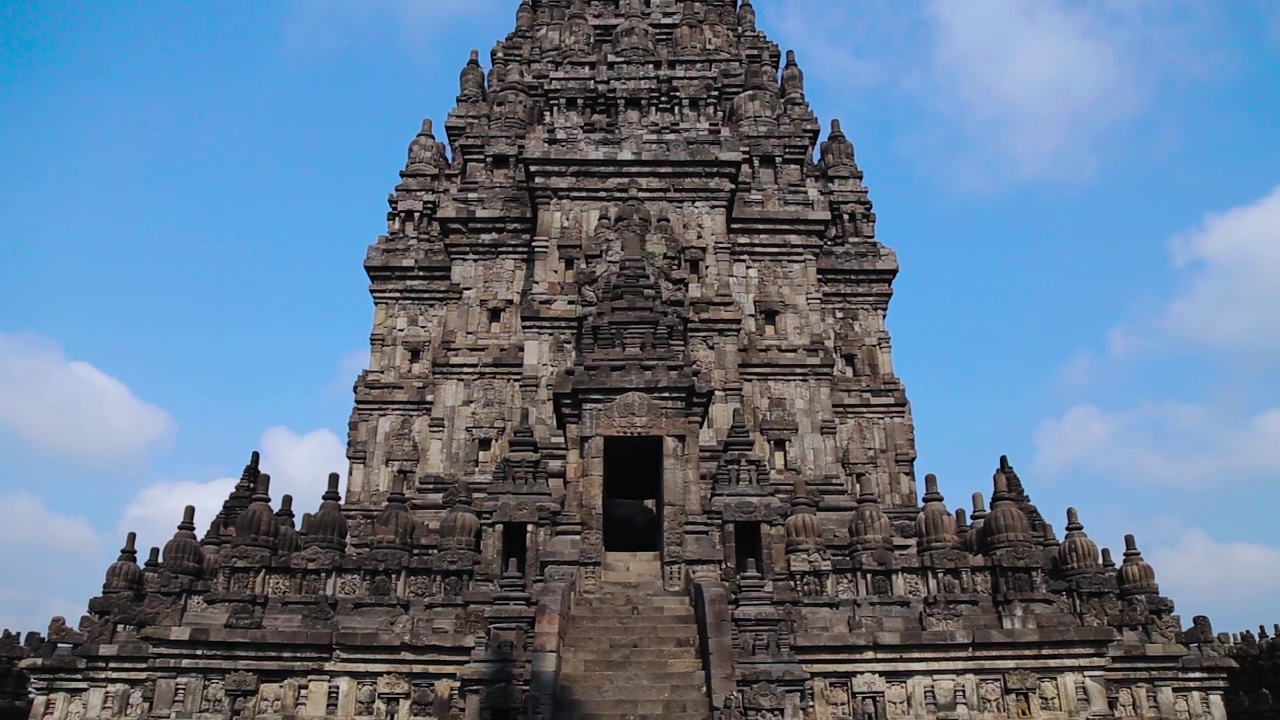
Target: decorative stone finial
803	531
182	554
257	525
935	526
1006	525
328	527
1077	554
869	528
288	540
1136	576
394	528
124	575
746	17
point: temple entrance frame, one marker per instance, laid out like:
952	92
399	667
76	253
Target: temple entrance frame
667	422
632	505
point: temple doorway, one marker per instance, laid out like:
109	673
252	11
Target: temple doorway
632	494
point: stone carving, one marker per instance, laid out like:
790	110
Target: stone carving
991	695
214	697
1048	694
839	700
366	695
1125	704
75	709
1022	705
895	699
135	706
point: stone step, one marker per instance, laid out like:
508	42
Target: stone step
631	605
636	615
570	713
584	647
647	580
630	566
634	623
626	677
621	653
645	592
628	556
630	690
629	582
644	629
699	708
634	664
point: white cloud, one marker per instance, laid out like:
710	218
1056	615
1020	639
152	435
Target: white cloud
1233	302
299	465
315	28
1034	82
43	549
1168	442
1007	90
1196	568
26	523
72	407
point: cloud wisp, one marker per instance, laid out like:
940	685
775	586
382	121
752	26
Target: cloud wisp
72	408
1231	305
1007	91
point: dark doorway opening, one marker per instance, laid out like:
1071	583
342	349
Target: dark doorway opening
515	545
632	494
747	546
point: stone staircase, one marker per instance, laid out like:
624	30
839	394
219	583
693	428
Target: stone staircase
632	649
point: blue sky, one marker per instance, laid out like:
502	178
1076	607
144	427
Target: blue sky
1083	198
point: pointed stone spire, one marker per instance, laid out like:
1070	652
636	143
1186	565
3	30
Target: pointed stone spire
152	565
182	554
1006	526
124	575
935	525
792	81
394	528
328	527
257	525
746	17
1136	576
288	541
1077	554
869	528
471	81
803	531
973	539
837	153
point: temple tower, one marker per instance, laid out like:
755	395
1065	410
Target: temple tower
630	242
630	444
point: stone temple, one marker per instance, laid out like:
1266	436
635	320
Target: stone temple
631	445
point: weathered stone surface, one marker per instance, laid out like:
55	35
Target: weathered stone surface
624	310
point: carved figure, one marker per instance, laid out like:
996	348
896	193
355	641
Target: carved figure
1181	710
991	696
895	699
214	697
1048	693
136	705
75	711
1125	706
366	695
